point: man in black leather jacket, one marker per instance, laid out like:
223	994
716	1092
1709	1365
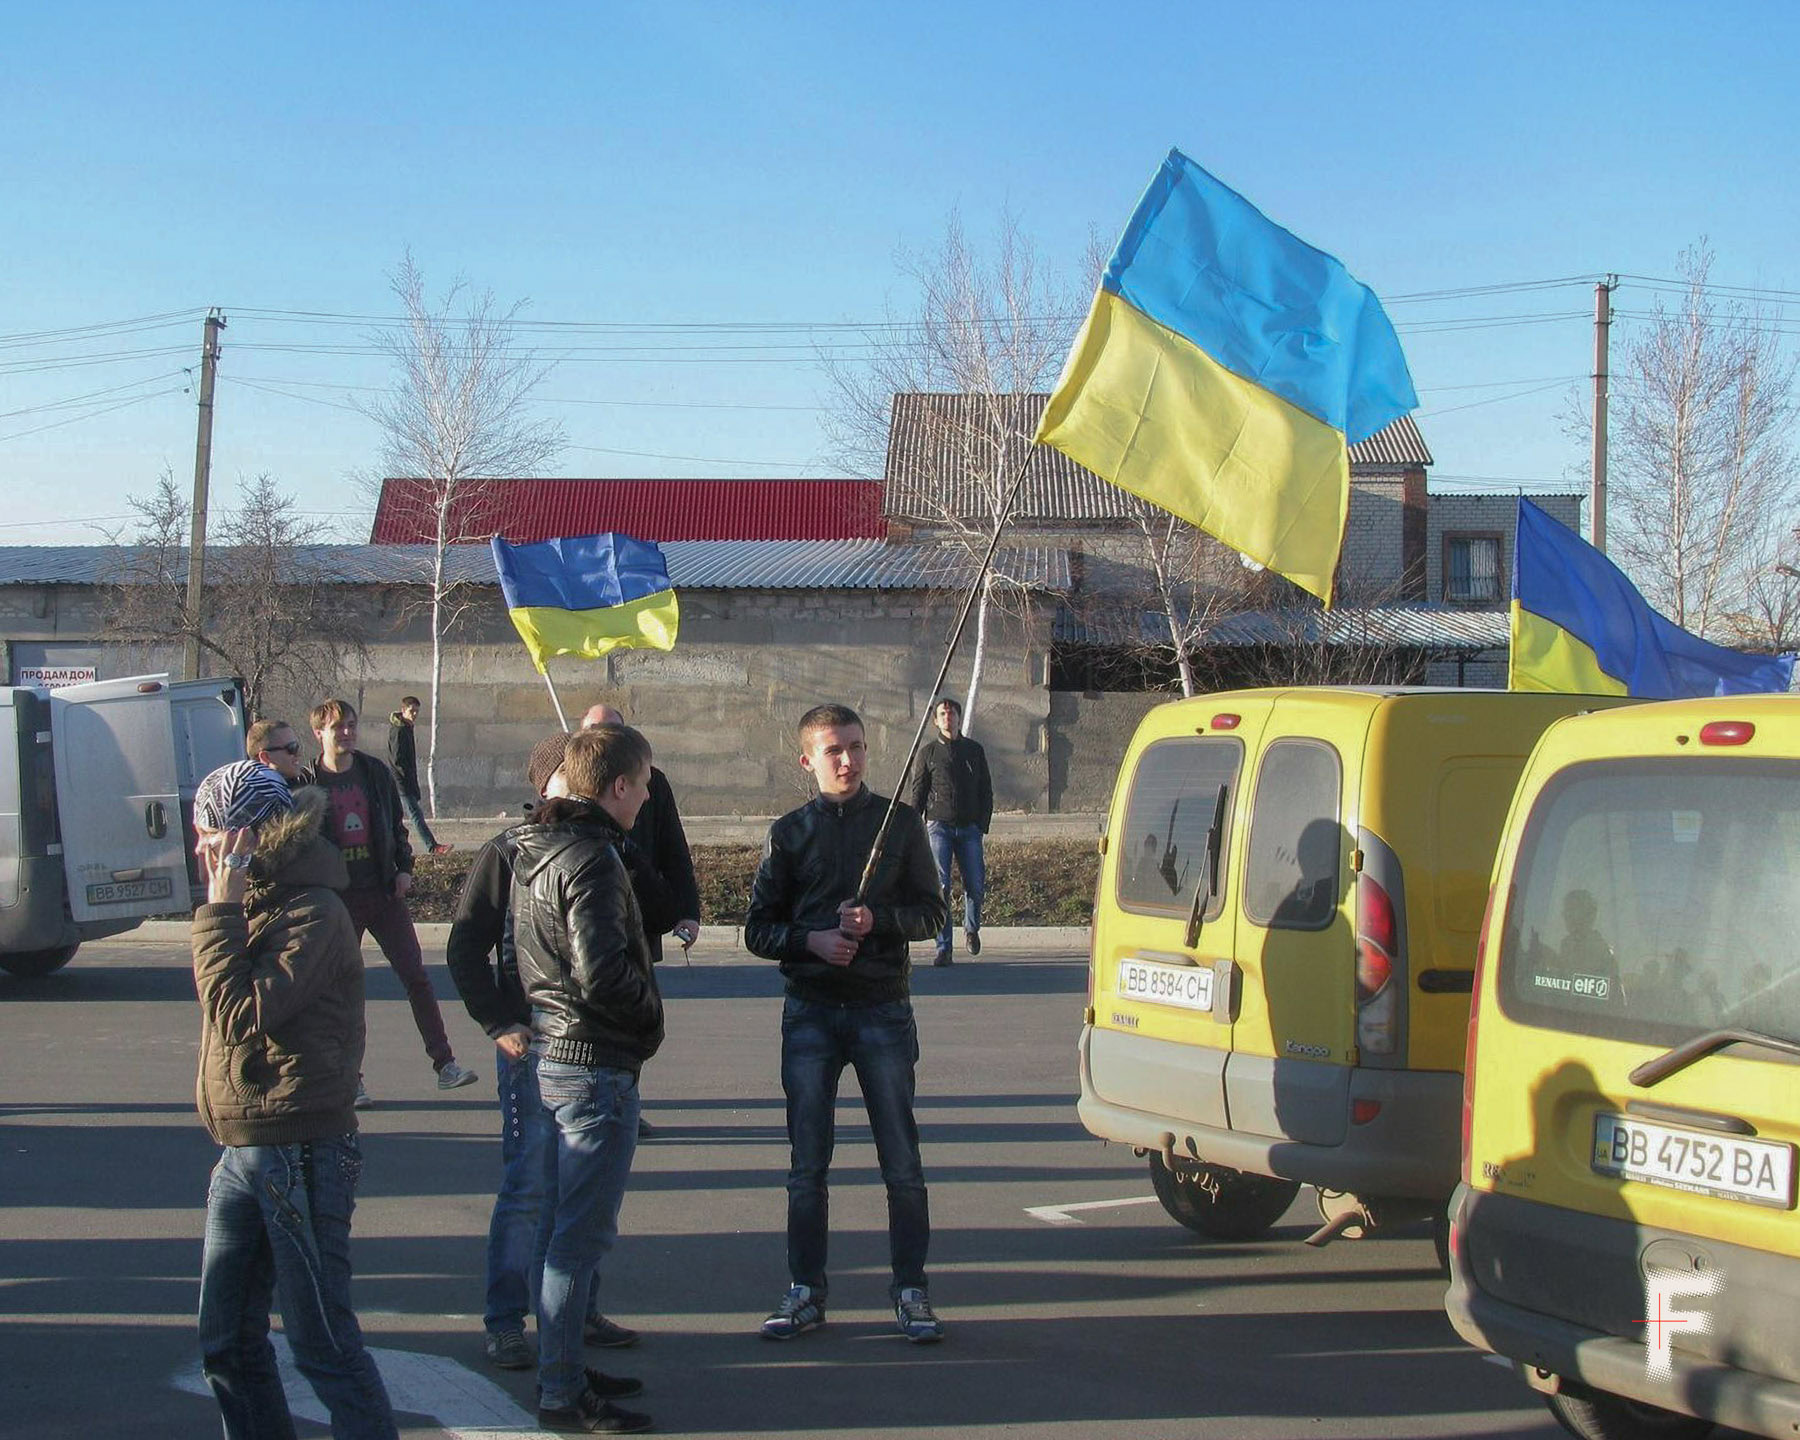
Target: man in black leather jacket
596	1017
844	957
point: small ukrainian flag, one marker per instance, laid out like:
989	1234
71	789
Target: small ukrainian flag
588	595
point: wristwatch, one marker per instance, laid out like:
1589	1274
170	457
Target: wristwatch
237	862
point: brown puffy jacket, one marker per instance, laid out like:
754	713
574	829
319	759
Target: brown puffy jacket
280	979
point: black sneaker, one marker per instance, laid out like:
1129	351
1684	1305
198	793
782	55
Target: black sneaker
943	958
613	1387
508	1350
606	1334
590	1415
974	939
797	1313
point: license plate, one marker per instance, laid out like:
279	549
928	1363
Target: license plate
1727	1165
122	892
1189	987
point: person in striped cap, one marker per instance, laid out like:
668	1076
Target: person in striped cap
280	980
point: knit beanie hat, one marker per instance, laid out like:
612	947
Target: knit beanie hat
240	796
546	759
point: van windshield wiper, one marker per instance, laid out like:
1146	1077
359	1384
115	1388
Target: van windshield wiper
1207	885
1652	1072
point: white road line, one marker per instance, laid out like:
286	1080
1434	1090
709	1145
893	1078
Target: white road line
1065	1214
465	1405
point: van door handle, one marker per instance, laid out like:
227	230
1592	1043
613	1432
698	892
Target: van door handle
1680	1115
154	821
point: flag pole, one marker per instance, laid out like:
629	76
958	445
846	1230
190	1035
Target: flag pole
550	685
962	620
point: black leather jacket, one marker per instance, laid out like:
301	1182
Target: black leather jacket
813	860
579	934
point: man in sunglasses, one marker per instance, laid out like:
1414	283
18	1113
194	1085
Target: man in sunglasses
274	743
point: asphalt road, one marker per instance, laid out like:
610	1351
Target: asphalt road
1109	1321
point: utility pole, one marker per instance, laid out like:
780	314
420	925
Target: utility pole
196	582
1602	328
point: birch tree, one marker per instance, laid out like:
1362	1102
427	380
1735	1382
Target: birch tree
1702	462
991	326
458	411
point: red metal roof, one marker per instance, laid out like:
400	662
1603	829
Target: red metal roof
526	510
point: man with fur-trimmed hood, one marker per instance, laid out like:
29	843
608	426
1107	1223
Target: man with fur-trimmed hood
280	980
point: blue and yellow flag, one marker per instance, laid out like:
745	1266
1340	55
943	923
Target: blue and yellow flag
588	595
1580	627
1224	370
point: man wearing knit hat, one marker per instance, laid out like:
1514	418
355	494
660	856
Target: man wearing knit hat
280	979
484	966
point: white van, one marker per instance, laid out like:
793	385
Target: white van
97	789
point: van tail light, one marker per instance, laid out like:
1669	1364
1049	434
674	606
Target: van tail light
1363	1111
1727	732
1468	1096
1377	997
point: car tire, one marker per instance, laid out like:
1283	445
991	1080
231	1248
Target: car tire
1595	1415
1219	1203
30	964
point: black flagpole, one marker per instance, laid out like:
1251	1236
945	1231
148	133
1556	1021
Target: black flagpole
1000	521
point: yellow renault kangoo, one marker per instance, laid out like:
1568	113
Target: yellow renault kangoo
1625	1228
1290	888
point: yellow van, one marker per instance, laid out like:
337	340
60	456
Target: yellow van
1625	1228
1290	888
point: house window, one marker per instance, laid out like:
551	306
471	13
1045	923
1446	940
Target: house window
1472	568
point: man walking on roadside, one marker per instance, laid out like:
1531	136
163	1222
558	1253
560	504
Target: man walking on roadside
596	1018
952	790
362	818
403	755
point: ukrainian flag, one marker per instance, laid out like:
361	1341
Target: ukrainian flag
587	595
1580	627
1223	372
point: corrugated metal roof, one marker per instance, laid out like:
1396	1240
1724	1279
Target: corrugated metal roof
528	510
950	454
1396	626
693	564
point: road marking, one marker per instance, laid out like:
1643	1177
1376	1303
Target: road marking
1065	1214
466	1406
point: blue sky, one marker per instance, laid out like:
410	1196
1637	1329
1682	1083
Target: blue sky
721	164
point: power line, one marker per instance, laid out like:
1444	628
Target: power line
94	414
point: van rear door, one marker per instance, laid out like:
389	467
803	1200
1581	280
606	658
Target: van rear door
123	845
208	721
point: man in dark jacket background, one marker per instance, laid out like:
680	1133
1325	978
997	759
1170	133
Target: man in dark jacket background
596	1017
362	818
845	962
951	788
403	756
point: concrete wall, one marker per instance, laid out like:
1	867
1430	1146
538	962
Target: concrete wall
1088	736
1484	514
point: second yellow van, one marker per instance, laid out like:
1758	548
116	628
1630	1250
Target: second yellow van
1284	934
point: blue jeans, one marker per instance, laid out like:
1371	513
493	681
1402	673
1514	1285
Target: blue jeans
882	1043
415	818
523	1212
596	1115
278	1227
964	843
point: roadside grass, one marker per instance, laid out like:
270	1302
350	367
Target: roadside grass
1030	882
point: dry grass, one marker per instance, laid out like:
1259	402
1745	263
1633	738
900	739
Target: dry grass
1030	882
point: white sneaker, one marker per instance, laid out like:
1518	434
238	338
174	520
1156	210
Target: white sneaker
363	1101
454	1077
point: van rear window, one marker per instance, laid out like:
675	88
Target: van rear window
1657	900
1174	795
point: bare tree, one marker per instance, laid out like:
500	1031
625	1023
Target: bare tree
989	330
458	413
1702	463
271	614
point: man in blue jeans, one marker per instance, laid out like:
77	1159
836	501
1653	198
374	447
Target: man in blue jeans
280	980
484	964
844	959
596	1017
952	789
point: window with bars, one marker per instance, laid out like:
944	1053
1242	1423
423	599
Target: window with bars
1472	568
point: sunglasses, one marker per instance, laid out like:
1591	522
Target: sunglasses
292	748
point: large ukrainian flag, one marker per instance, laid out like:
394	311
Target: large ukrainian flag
1224	370
588	595
1580	627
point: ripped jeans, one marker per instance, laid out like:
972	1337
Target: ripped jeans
278	1228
